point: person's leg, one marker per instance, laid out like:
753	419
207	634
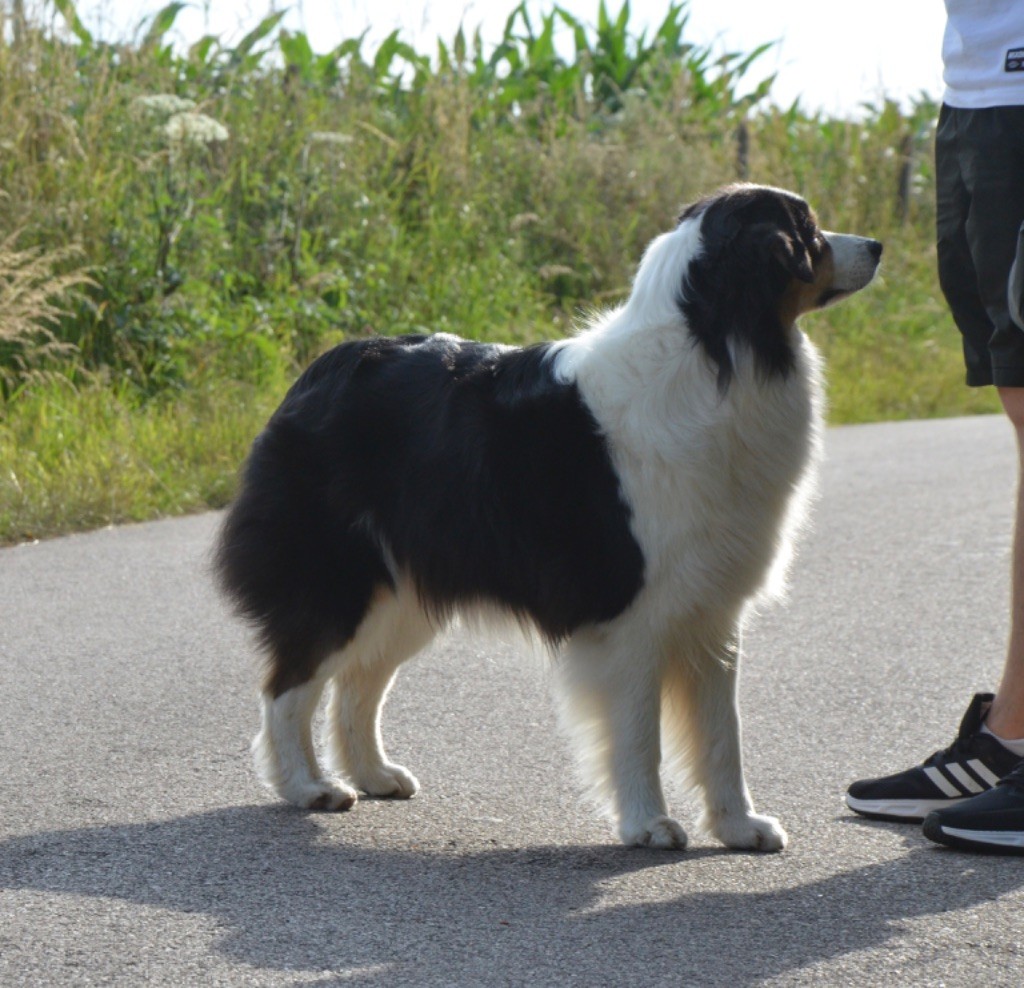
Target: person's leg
1006	716
958	277
991	153
992	161
979	157
979	209
957	782
993	821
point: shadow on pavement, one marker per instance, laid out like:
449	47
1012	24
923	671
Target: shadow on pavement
290	894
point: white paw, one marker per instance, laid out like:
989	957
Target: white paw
389	780
750	832
324	794
659	831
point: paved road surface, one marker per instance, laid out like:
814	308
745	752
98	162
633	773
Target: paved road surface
136	848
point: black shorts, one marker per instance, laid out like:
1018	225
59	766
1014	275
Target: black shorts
979	179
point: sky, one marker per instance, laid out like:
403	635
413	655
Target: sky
833	56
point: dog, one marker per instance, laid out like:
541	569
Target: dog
627	492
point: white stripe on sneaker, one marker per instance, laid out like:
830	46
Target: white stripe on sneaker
899	809
995	838
982	771
942	783
960	774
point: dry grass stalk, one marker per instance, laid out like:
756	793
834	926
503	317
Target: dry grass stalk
34	292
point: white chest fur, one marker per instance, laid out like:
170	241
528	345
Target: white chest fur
717	483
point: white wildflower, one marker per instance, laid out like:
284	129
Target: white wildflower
194	128
164	104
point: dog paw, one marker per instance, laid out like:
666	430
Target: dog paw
659	831
389	782
750	832
328	795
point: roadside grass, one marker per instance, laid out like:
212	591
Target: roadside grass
83	457
88	457
195	227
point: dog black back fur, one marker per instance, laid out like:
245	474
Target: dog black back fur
346	485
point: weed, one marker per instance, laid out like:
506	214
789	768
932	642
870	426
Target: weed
241	207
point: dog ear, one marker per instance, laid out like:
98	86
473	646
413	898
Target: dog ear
792	255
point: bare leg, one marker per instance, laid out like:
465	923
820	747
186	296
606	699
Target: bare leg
1006	717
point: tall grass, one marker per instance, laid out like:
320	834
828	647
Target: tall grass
33	285
239	207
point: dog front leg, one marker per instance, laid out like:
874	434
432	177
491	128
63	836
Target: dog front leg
612	699
718	761
634	722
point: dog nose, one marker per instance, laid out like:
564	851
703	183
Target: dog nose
875	249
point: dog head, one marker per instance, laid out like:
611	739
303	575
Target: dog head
761	262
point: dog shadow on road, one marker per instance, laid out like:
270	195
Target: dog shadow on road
289	893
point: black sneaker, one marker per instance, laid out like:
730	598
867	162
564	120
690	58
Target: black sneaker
992	822
972	764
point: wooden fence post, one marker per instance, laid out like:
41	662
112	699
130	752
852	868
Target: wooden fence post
743	151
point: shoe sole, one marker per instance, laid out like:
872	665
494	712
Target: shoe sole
986	841
898	810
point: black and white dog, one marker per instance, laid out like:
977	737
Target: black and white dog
627	492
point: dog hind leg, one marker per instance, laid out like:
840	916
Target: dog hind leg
283	750
394	630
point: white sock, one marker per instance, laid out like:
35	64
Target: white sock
1016	746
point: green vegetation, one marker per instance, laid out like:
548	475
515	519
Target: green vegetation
186	229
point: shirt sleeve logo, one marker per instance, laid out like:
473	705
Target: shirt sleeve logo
1015	60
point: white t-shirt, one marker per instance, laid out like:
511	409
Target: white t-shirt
983	53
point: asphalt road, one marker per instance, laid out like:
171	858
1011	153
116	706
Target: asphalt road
136	847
